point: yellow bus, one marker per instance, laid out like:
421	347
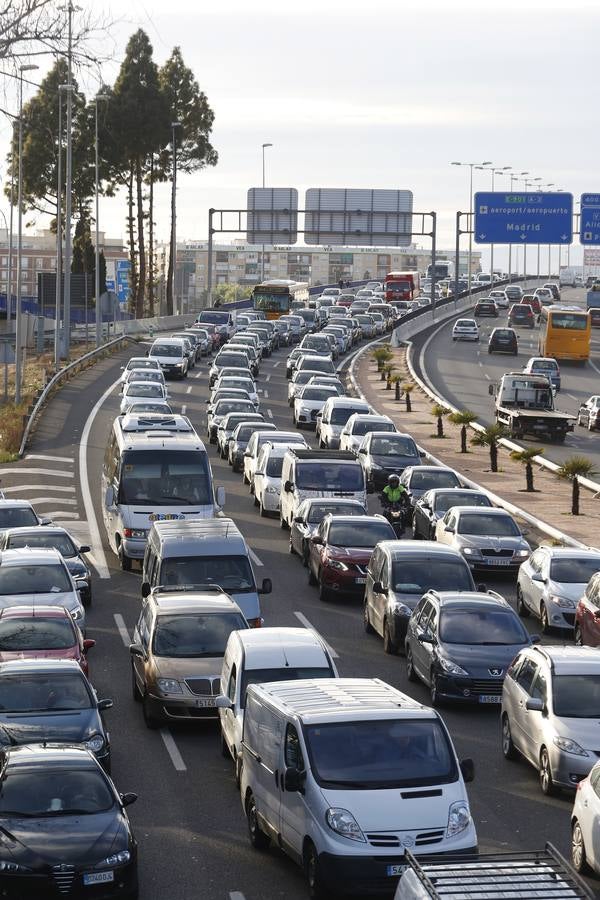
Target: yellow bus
565	332
275	298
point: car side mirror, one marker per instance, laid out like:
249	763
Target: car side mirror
84	549
128	798
378	588
524	531
535	704
316	539
449	529
482	588
88	644
223	702
537	576
45	521
137	650
293	780
467	768
109	497
422	454
491	390
105	704
535	638
220	497
363	450
146	589
267	586
298	520
288	487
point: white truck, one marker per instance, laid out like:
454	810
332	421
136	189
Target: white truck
570	276
524	404
541	874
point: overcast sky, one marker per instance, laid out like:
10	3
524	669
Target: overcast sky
378	94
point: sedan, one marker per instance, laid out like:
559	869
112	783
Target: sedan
221	409
42	632
382	454
310	515
551	582
542	365
57	804
136	391
433	505
340	551
487	538
500	299
589	413
360	424
228	424
139	362
585	824
503	340
465	330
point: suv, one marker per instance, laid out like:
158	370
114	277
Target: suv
521	314
550	703
503	340
514	293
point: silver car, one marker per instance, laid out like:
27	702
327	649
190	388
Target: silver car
550	703
487	538
551	582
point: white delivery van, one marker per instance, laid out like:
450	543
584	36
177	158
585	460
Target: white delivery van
265	654
172	355
333	417
319	473
345	774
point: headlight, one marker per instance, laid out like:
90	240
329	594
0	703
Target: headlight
459	818
168	686
569	746
117	859
343	822
95	743
305	411
522	553
271	490
563	602
448	666
337	565
400	609
471	551
12	867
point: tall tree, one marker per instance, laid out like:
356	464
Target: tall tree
187	105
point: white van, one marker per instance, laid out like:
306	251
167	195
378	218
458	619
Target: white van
319	473
333	417
265	654
172	355
345	774
155	468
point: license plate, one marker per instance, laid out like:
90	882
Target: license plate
499	562
98	877
395	870
490	698
164	517
207	702
360	580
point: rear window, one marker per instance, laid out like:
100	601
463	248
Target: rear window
359	534
425	481
366	427
341	414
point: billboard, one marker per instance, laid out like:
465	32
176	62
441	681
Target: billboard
358	217
272	216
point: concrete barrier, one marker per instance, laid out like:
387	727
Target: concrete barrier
156	323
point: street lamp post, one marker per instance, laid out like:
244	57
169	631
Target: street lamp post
471	166
494	170
99	96
19	312
262	256
174	126
513	178
70	9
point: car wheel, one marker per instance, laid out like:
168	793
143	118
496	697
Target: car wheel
124	561
311	578
578	636
366	621
521	608
508	748
262	511
149	718
545	774
410	668
135	691
316	889
545	624
578	854
258	839
388	644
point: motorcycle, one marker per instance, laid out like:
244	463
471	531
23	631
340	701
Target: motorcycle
397	516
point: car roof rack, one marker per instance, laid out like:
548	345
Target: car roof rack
335	455
187	588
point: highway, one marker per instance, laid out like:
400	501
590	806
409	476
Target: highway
461	373
188	819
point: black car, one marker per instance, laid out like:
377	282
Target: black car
61	540
521	314
460	645
503	340
485	308
65	831
419	479
51	700
435	504
382	454
514	293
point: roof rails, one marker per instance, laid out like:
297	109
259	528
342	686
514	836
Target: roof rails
331	455
187	588
545	654
155	421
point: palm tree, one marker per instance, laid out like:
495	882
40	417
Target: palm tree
464	418
407	387
388	375
526	456
439	412
382	356
572	470
397	380
490	437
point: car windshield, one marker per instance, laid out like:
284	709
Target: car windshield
488	525
165	478
217	318
244	433
323	476
29	633
425	481
43	792
481	626
192	635
394	446
231	359
426	573
170	350
39	692
144	389
573	569
41	538
340	414
274	466
146	375
359	534
232	573
362	427
149	407
35	579
443	503
289	673
318	393
17	517
380	753
318	511
576	696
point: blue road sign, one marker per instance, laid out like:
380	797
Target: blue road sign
589	224
122	271
523	218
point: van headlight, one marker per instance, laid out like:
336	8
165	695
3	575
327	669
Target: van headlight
459	818
343	822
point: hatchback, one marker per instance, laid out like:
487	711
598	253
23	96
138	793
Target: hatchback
486	308
542	365
465	330
39	577
532	301
18	513
418	479
434	504
552	581
310	515
521	314
503	340
545	296
42	632
382	454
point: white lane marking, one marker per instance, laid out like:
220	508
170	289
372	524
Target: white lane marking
267	377
173	750
123	630
68	501
198	375
33	471
486	376
275	364
189	390
572	396
307	624
95	540
36	487
63	514
183	409
67	459
270	413
254	558
266	394
594	366
236	895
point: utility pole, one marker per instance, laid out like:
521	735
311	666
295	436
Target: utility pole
174	126
69	186
10	236
99	96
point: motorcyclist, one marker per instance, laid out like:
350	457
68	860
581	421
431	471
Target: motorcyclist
395	493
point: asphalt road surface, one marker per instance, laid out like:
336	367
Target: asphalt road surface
188	819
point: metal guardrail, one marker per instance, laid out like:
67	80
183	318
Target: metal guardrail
63	375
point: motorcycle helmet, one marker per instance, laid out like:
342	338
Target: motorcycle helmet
393	481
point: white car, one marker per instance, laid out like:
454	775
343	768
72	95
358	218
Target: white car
551	583
238	383
585	824
309	401
465	330
142	375
267	477
255	445
139	362
360	424
140	391
228	394
500	298
334	416
298	381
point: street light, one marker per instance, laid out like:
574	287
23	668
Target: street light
471	165
262	256
174	126
102	97
494	170
18	323
59	231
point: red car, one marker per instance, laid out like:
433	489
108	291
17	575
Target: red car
340	551
42	632
587	615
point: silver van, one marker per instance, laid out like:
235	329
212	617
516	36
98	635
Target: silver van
204	552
